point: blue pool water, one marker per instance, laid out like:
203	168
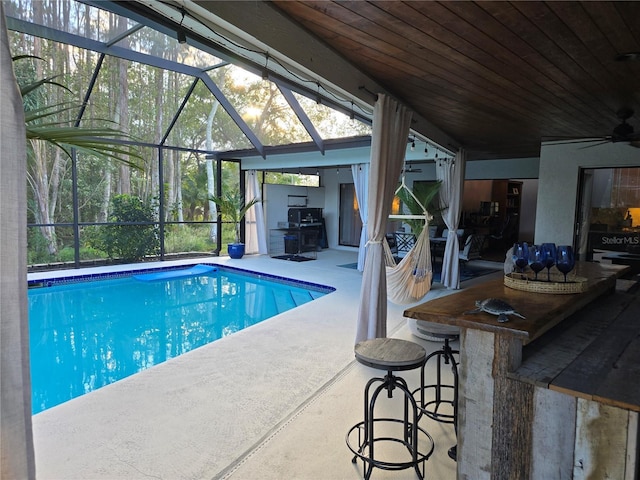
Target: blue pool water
86	335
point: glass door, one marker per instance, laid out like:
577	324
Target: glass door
350	224
608	222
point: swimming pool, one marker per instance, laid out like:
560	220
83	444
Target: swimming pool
89	333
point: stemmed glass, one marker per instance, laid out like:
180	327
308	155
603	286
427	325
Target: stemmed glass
565	260
537	258
550	261
521	255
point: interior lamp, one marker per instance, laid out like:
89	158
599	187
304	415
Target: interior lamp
635	216
395	206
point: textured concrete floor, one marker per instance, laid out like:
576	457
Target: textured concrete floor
272	401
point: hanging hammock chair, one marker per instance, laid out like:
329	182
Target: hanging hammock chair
410	279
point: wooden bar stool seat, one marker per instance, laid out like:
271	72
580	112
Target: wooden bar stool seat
391	355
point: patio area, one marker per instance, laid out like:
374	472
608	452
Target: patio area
270	402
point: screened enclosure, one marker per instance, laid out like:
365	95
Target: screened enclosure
185	116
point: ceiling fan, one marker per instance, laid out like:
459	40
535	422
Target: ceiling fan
624	132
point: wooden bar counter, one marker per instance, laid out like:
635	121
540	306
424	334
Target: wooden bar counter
527	410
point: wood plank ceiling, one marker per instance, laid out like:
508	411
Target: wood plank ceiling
499	77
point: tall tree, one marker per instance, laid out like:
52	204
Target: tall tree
121	116
154	177
211	179
43	172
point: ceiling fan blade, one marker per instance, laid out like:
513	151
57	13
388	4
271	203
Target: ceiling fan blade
569	141
622	133
551	138
595	144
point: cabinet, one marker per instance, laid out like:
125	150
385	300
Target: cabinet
291	242
508	194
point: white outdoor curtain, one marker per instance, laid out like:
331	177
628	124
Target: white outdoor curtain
388	144
255	230
451	173
17	460
360	174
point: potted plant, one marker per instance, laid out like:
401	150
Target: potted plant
426	193
232	208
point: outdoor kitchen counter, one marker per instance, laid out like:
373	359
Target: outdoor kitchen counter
594	354
542	311
512	424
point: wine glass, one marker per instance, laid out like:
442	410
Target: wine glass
537	259
521	255
565	260
550	249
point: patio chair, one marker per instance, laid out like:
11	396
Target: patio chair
404	242
507	234
472	250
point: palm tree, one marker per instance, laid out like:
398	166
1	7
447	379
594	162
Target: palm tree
233	208
426	193
42	123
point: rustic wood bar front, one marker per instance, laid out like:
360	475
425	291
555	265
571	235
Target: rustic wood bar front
539	418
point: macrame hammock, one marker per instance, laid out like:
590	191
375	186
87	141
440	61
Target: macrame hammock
410	279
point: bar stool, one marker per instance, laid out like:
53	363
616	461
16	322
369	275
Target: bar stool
392	355
442	394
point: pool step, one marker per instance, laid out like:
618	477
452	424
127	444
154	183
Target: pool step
283	300
314	294
288	299
301	297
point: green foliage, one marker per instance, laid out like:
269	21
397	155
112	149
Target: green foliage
51	122
188	238
426	193
67	254
89	253
277	178
232	208
142	99
134	240
37	251
194	190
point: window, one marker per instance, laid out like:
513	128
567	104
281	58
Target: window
609	213
350	226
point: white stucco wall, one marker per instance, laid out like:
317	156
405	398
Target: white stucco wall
511	168
333	176
558	184
557	171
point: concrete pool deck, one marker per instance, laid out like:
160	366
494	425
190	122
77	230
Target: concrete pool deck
272	401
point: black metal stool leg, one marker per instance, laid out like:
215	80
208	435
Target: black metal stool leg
366	442
448	355
453	451
431	408
391	355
